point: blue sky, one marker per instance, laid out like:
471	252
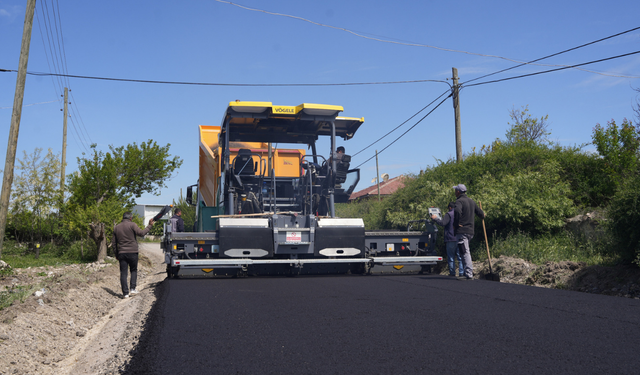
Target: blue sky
368	41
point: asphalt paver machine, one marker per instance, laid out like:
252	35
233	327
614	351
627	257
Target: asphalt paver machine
263	209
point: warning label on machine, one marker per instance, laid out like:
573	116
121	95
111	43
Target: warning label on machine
294	237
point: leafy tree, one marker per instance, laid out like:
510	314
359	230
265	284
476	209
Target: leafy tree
96	221
526	128
35	194
618	147
106	184
145	168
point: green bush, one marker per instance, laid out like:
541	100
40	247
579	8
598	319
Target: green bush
369	210
523	186
413	201
81	251
533	201
158	228
624	220
585	173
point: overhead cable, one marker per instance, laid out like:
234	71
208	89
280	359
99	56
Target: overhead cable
32	104
410	44
397	127
54	49
77	111
408	130
230	84
558	53
552	70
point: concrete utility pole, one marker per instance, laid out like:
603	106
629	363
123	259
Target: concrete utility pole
15	119
64	143
456	108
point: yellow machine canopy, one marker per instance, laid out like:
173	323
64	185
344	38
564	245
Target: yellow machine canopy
265	122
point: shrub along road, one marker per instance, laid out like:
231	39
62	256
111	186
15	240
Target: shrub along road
384	324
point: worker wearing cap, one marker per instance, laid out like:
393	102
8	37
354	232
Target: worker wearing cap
463	225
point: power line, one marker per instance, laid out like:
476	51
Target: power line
32	104
408	130
41	74
52	41
410	44
52	25
78	134
230	84
60	35
73	101
40	28
559	53
397	127
552	70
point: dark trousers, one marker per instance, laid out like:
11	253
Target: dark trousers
128	260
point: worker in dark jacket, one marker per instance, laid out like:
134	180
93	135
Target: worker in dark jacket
126	249
463	225
450	240
177	224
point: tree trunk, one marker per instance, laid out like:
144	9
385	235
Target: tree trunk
97	234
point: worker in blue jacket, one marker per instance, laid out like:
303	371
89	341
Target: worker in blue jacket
450	240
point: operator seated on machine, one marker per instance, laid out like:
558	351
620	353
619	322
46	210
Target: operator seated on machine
328	163
342	166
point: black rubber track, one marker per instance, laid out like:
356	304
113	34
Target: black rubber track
405	324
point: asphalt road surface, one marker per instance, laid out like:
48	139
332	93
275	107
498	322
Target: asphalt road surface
404	324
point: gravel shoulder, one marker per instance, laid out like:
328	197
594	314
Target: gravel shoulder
81	324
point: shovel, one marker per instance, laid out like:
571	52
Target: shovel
490	276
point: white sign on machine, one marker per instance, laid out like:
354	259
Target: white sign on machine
294	237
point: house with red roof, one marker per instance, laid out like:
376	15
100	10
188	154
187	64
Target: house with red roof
387	187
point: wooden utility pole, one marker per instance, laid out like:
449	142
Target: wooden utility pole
378	175
456	108
15	119
64	144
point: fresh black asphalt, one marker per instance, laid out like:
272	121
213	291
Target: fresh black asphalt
396	324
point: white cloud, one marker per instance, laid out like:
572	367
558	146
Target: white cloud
10	12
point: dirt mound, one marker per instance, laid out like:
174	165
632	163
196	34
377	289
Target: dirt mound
511	270
621	281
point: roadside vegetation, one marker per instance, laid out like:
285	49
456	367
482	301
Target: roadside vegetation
46	227
529	187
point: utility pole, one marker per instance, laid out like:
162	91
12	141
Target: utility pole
378	175
15	119
456	108
64	144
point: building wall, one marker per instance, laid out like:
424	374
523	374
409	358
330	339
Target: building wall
148	211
